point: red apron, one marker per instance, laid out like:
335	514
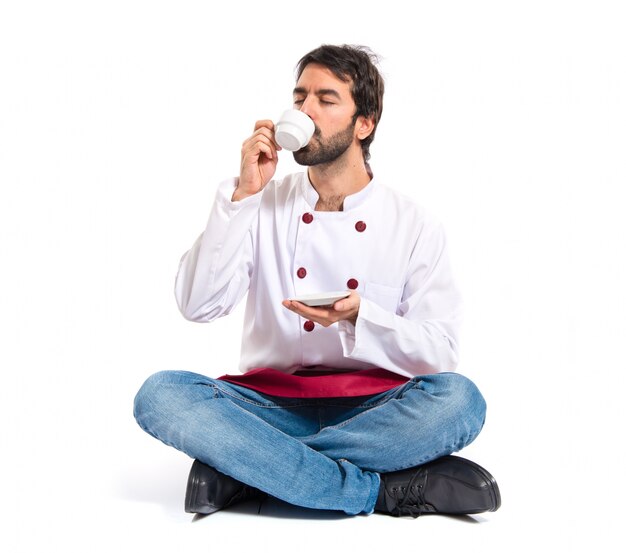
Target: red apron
318	383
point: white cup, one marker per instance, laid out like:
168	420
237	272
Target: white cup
294	130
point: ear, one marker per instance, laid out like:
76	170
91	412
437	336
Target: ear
364	127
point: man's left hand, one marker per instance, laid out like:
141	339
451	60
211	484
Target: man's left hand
346	309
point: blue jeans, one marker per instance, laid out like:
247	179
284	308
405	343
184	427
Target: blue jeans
321	453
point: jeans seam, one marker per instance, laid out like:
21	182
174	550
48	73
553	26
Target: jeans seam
368	409
268	405
406	388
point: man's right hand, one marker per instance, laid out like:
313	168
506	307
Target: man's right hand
259	158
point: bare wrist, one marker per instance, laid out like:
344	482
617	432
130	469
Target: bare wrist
239	194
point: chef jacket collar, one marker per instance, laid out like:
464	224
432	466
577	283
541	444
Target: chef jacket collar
350	202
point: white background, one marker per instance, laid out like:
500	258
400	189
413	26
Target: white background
117	121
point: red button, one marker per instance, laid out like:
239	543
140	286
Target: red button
309	326
307	218
360	226
353	284
301	272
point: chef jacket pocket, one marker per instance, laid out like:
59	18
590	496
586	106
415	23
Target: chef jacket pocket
388	297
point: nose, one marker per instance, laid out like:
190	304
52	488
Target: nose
307	107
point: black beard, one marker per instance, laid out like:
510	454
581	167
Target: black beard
319	151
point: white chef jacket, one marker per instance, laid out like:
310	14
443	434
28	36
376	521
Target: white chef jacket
275	246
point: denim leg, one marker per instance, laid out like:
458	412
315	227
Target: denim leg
226	427
430	416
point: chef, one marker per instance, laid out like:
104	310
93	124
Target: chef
338	406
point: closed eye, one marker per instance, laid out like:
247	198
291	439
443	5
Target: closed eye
325	102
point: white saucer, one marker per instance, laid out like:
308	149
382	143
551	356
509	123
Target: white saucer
325	298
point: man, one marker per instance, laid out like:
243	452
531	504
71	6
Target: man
351	406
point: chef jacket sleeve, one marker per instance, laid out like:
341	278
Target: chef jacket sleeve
421	336
214	275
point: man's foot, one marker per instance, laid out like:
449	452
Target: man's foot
450	485
208	490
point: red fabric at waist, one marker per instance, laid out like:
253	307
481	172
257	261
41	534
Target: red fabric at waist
326	383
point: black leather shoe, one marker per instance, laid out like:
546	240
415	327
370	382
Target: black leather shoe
449	485
208	490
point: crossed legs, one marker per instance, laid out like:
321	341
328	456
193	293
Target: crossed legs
324	453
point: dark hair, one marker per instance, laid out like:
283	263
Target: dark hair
356	64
